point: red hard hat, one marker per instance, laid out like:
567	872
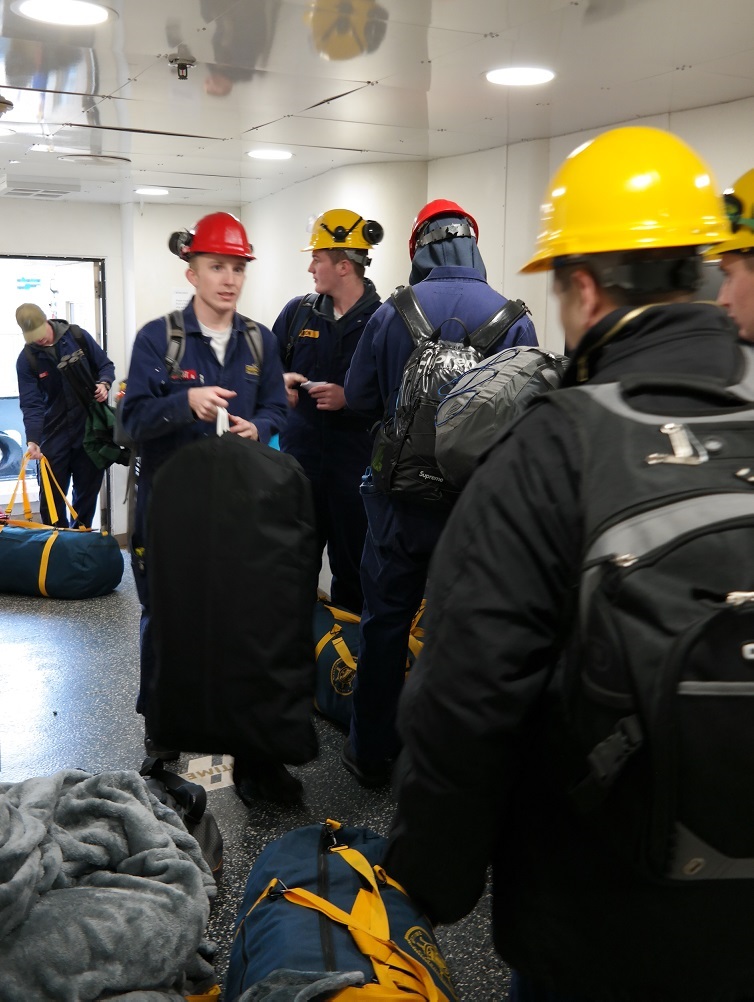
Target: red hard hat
219	233
438	207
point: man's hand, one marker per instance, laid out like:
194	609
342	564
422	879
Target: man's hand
328	397
246	429
292	382
205	401
100	392
34	451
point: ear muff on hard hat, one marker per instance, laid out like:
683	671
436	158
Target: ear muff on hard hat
739	208
629	189
218	233
341	229
420	236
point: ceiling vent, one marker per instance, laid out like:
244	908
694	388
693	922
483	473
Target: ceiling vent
36	188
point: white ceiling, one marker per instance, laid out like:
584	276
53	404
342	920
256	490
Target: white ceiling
341	82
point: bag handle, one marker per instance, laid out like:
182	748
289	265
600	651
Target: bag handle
48	480
400	976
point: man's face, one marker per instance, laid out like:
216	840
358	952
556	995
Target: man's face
47	339
327	274
218	280
736	294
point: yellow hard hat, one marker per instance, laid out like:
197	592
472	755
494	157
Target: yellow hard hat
739	205
343	29
341	229
632	188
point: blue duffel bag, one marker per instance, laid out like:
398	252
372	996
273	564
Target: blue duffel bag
317	902
56	563
336	651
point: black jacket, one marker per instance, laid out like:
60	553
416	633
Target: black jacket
479	779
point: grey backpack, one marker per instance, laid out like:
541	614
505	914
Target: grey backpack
485	399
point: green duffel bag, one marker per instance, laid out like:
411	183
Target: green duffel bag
336	651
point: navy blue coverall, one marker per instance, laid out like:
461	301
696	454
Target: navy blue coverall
334	447
55	419
156	414
402	533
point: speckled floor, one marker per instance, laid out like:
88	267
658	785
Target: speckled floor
68	675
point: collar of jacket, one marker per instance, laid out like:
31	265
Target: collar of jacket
323	305
191	324
445	272
649	332
59	328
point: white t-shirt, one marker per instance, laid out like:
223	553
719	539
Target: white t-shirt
219	340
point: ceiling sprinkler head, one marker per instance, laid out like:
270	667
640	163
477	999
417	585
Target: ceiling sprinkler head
182	60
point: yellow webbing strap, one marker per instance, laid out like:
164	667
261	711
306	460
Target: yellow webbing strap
44	562
47	476
334	636
213	993
20	482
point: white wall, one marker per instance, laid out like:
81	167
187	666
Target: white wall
278	228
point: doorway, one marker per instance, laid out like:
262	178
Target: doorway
71	289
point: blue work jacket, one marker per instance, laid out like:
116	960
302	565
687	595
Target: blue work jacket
54	417
325	442
156	412
458	298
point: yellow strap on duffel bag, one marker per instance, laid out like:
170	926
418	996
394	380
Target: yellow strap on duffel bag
399	976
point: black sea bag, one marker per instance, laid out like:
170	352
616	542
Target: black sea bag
317	900
233	567
659	688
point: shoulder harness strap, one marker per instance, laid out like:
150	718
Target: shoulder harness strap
176	340
410	311
487	335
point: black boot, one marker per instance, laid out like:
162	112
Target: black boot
266	781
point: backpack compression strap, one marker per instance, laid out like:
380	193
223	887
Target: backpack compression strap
177	340
413	316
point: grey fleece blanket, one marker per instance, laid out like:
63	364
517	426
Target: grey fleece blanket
102	892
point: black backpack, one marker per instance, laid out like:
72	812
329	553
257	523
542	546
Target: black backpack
658	690
403	457
189	801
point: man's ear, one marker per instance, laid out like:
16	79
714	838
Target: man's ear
192	276
591	298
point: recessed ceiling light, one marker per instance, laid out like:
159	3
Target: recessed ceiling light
151	191
270	154
519	76
77	13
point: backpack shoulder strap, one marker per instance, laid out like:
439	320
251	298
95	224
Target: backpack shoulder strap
486	336
300	316
254	339
31	358
176	341
413	316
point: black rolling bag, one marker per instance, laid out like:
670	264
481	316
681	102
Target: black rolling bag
233	564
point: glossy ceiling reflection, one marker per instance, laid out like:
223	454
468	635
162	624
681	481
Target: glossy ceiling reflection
176	94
